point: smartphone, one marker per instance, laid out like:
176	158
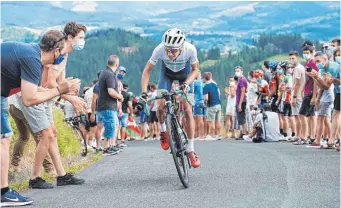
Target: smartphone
309	69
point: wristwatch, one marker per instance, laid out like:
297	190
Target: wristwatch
294	96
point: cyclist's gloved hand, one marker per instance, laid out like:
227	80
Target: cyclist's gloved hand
184	87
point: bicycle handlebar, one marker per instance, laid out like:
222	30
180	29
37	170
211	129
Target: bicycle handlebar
164	94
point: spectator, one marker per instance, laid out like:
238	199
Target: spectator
333	68
267	72
297	94
127	107
92	125
153	122
198	109
252	96
263	88
21	66
266	126
324	102
24	131
307	111
285	106
93	118
107	103
337	56
231	109
212	100
241	97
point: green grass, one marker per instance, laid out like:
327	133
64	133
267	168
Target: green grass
207	63
69	147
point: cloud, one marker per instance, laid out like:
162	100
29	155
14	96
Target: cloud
236	11
84	6
56	3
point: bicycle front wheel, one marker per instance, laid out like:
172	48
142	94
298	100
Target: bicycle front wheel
78	133
177	149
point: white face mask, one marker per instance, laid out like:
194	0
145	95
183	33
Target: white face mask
238	74
232	84
307	56
79	45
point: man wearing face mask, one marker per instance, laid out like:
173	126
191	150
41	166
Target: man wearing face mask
334	45
241	98
21	70
337	56
333	68
297	94
308	110
274	84
54	74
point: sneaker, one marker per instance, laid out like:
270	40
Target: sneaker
314	145
69	179
118	148
294	139
301	142
146	139
164	141
247	138
210	138
240	137
108	152
39	183
123	145
283	138
324	144
195	162
12	198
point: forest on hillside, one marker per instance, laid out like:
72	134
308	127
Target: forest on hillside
134	52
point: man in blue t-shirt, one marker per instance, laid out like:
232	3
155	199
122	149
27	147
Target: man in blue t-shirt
212	100
198	108
21	70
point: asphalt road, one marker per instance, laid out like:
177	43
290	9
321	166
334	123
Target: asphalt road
232	174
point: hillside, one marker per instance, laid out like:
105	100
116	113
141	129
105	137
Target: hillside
208	24
99	45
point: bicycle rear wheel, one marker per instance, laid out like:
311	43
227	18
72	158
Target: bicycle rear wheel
78	133
178	150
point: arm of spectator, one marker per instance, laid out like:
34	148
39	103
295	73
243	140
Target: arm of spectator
114	94
130	107
31	95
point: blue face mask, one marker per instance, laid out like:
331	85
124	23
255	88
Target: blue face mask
59	60
320	66
280	72
120	76
259	81
338	59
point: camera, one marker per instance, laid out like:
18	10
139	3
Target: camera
309	69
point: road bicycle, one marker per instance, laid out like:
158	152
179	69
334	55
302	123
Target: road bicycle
74	123
177	136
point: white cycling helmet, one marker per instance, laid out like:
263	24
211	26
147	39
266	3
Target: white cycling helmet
173	38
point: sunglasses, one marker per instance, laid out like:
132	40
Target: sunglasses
172	50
